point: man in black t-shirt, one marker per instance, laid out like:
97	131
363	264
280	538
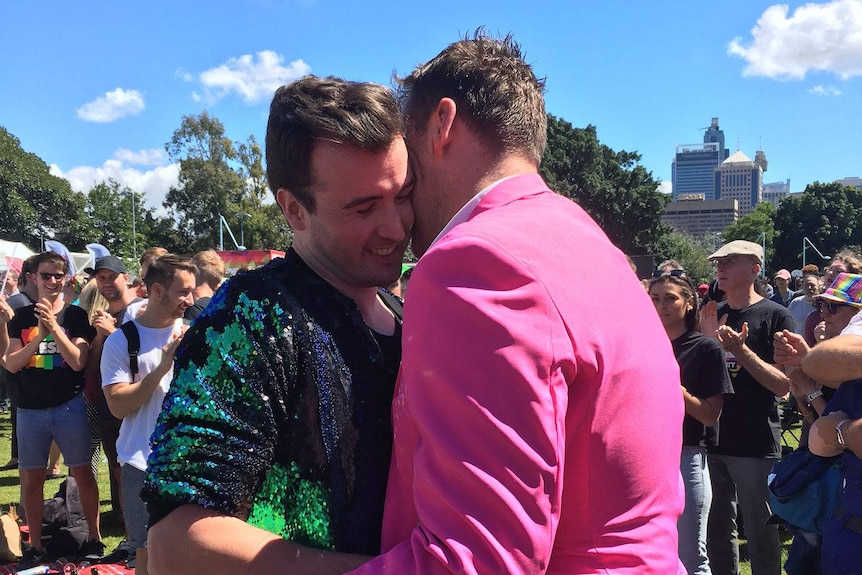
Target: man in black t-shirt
750	432
48	343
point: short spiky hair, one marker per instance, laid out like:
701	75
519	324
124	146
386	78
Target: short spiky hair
495	91
359	114
163	271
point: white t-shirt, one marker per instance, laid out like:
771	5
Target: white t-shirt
133	444
854	326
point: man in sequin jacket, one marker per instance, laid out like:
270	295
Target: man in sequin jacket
273	446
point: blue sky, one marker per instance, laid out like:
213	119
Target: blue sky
96	89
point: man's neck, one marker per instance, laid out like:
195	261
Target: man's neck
155	317
119	305
743	299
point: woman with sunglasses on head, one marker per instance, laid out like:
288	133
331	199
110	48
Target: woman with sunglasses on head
705	380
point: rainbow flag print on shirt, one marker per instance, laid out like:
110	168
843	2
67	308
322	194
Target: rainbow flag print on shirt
48	355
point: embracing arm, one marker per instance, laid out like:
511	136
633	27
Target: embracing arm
834	360
193	540
823	439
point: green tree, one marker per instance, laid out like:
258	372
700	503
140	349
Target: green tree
829	215
36	204
218	179
690	252
757	227
620	194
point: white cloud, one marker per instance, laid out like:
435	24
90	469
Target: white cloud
665	187
825	91
254	79
823	37
112	106
151	157
153	184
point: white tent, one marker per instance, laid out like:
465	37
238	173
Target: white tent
10	251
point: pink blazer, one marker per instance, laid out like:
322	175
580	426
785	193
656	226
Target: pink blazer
538	411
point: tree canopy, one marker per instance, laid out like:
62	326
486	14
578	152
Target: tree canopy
36	205
620	194
829	215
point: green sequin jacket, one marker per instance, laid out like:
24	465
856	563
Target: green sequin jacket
279	412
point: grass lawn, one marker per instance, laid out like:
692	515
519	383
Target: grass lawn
112	529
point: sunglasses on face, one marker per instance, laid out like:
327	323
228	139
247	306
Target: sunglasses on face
671	273
830	306
46	276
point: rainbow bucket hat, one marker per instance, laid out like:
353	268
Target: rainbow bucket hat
846	288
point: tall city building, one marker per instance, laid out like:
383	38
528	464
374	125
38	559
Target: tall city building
774	192
740	179
694	164
693	215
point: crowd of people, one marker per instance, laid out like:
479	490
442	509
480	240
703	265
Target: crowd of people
500	419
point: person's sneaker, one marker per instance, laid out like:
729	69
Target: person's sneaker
32	557
93	550
122	554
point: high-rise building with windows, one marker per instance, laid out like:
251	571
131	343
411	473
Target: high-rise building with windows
740	179
774	192
694	164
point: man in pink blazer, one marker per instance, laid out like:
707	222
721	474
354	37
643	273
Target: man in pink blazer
538	413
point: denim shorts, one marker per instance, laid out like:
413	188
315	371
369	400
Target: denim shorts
134	508
66	424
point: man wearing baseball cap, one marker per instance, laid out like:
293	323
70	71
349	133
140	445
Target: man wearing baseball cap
782	294
749	429
112	281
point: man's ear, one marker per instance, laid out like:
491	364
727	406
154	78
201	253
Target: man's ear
442	125
293	210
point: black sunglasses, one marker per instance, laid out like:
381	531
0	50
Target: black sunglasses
671	273
46	276
830	306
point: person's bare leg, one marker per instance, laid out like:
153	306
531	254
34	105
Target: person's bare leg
141	561
89	491
54	459
32	483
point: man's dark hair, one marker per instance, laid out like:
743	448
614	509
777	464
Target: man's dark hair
359	114
163	270
495	91
49	257
27	267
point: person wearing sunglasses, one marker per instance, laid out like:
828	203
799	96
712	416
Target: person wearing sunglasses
839	429
705	381
48	344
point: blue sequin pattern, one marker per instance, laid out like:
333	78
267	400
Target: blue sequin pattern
278	412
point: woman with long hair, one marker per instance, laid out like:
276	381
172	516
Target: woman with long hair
705	380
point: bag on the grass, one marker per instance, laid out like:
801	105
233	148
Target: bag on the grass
10	538
64	528
804	489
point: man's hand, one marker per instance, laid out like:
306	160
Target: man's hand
104	323
6	311
825	443
820	331
730	339
789	348
47	320
801	385
709	319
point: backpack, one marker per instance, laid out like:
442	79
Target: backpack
64	528
133	338
805	489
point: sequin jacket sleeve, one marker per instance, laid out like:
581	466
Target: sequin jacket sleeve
259	420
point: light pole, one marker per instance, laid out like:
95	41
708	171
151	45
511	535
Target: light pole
804	247
131	195
242	218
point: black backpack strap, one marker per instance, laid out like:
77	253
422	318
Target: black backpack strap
134	340
393	302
